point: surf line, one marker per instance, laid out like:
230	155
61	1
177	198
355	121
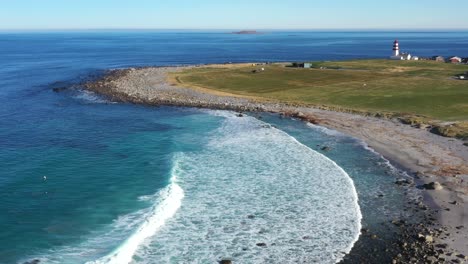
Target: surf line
170	201
357	233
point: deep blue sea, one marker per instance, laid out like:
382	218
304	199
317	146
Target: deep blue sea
86	180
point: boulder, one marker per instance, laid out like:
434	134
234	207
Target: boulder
426	238
433	186
429	239
300	115
225	261
403	182
261	244
326	148
423	126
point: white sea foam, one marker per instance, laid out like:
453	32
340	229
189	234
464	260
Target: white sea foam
169	201
254	184
326	131
89	97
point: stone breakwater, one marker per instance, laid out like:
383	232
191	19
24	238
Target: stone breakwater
149	86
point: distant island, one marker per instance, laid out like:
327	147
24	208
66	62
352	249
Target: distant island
246	32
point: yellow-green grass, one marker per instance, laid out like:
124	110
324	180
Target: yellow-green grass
424	88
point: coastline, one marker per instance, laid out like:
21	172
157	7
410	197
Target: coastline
425	156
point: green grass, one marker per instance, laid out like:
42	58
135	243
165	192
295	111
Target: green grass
420	92
404	87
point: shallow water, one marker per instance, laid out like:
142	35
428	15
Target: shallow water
110	187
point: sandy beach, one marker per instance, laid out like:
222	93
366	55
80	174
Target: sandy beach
439	165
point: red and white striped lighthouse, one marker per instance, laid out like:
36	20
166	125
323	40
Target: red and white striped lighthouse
396	48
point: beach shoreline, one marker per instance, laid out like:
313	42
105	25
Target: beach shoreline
427	157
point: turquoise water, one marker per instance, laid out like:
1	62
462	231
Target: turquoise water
88	186
87	180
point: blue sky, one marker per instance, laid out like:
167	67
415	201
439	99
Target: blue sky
238	14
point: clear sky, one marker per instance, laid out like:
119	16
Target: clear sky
235	14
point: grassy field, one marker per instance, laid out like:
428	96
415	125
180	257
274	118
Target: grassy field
406	87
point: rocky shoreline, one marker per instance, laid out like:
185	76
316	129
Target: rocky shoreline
439	165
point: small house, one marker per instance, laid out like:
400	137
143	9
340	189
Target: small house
306	65
439	58
406	56
455	59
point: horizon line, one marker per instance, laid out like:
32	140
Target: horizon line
233	29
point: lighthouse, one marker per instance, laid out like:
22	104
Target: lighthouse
396	55
396	49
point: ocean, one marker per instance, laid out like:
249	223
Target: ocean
87	180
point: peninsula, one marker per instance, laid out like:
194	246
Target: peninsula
414	113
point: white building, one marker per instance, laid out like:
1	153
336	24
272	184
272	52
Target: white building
401	56
455	59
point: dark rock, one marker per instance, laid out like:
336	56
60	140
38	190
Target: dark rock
398	222
433	186
326	148
225	261
251	216
261	244
403	182
444	246
34	261
240	115
59	89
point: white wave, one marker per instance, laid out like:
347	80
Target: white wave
256	184
170	199
136	227
326	131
